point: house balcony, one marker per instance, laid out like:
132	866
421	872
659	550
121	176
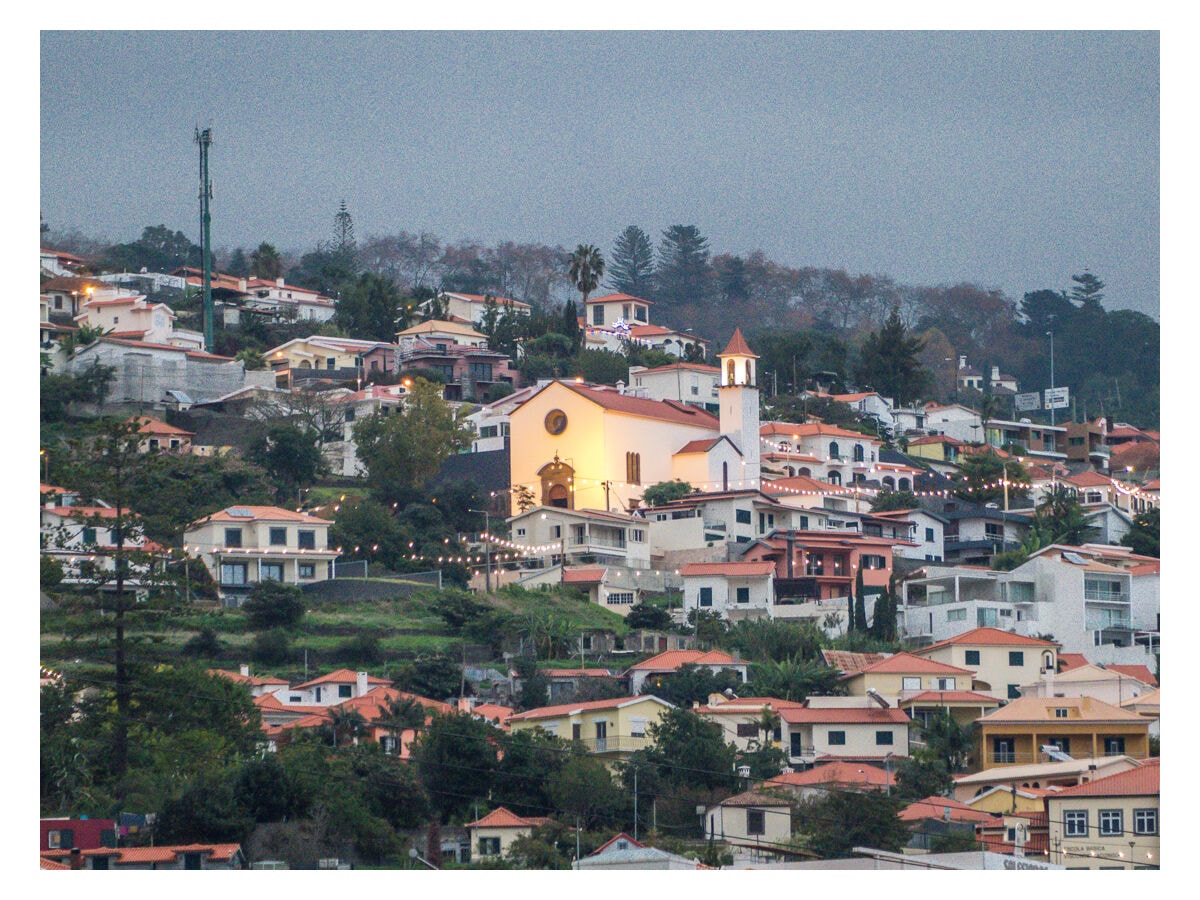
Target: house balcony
615	743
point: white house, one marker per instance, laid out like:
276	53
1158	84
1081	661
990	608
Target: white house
244	545
751	819
733	590
844	727
582	535
683	382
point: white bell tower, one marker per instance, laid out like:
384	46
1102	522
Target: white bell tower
739	407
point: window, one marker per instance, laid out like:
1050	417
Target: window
972	657
489	846
633	468
233	537
756	821
929	535
1112	822
884	738
1062	743
307	570
639	313
345	690
1016	658
271	572
64	838
859	455
488	431
1114	746
637	536
620	598
233	574
598	314
1014	691
99	862
637	727
331	362
837	738
277	536
1145	821
706	596
1075	823
743	595
911	683
1003	750
944	684
481	371
1061	712
993	531
985	618
89	535
306	540
153	443
816	564
742	516
747	729
833	450
956	615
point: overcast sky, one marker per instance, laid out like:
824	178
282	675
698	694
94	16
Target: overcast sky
1009	159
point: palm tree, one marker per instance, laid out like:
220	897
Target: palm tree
767	722
585	269
400	714
265	262
345	722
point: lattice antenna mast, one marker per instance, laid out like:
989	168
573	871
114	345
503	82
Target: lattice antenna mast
204	139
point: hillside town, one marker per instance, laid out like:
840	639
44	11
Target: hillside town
350	599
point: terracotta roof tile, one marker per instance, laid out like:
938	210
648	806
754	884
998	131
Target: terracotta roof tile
504	818
671	660
550	712
1140	782
731	569
935	808
662	410
1042	709
341	676
861	716
737	346
261	513
840	772
987	637
908	662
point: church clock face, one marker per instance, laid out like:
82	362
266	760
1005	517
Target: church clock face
556	421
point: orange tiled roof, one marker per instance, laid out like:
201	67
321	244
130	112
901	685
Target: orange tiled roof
743	705
341	676
1142	781
838	772
907	662
262	513
737	346
239	678
671	660
865	715
1140	672
687	366
51	864
728	568
701	445
147	425
662	410
1069	661
550	712
590	575
618	298
803	483
752	798
504	818
988	637
1041	709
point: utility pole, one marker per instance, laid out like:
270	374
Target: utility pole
1052	385
204	139
635	804
487	548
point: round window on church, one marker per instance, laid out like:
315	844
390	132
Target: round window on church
556	421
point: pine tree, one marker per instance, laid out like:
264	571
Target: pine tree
888	361
631	269
860	603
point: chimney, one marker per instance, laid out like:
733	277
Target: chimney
76	858
362	684
244	669
620	387
962	362
279	281
995	373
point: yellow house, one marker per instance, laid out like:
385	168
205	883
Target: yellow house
1001	660
904	675
1002	799
1076	727
493	834
609	729
1108	823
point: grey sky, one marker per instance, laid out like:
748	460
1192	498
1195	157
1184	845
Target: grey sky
1009	159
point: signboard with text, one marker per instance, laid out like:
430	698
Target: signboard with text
1058	398
1028	402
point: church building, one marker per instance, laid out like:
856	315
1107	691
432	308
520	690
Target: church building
582	446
